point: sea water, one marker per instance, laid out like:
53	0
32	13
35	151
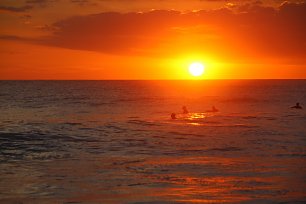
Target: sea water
115	142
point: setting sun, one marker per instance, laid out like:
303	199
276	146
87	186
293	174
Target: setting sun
196	69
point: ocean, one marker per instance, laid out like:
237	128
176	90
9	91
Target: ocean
115	142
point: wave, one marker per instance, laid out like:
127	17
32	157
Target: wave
39	146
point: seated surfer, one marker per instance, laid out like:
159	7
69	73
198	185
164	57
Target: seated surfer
213	109
173	116
297	106
185	111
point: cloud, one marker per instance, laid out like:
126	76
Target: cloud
241	31
113	32
15	38
84	2
39	1
280	31
80	1
29	4
15	9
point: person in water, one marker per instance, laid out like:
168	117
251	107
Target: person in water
297	106
213	109
173	116
185	111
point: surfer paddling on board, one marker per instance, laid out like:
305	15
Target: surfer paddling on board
185	111
297	106
173	116
213	109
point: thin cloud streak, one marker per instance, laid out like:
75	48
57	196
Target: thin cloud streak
15	9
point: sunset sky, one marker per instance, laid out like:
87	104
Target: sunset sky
152	39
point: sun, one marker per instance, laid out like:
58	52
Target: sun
196	69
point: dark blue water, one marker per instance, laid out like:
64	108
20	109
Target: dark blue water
114	142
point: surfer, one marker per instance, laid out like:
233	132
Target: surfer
185	111
173	116
213	109
297	106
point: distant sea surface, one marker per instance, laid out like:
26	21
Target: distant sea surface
115	142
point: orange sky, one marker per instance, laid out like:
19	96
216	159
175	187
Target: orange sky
151	39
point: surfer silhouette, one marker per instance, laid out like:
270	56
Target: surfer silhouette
173	116
213	109
297	106
185	111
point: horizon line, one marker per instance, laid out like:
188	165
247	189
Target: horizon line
225	79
